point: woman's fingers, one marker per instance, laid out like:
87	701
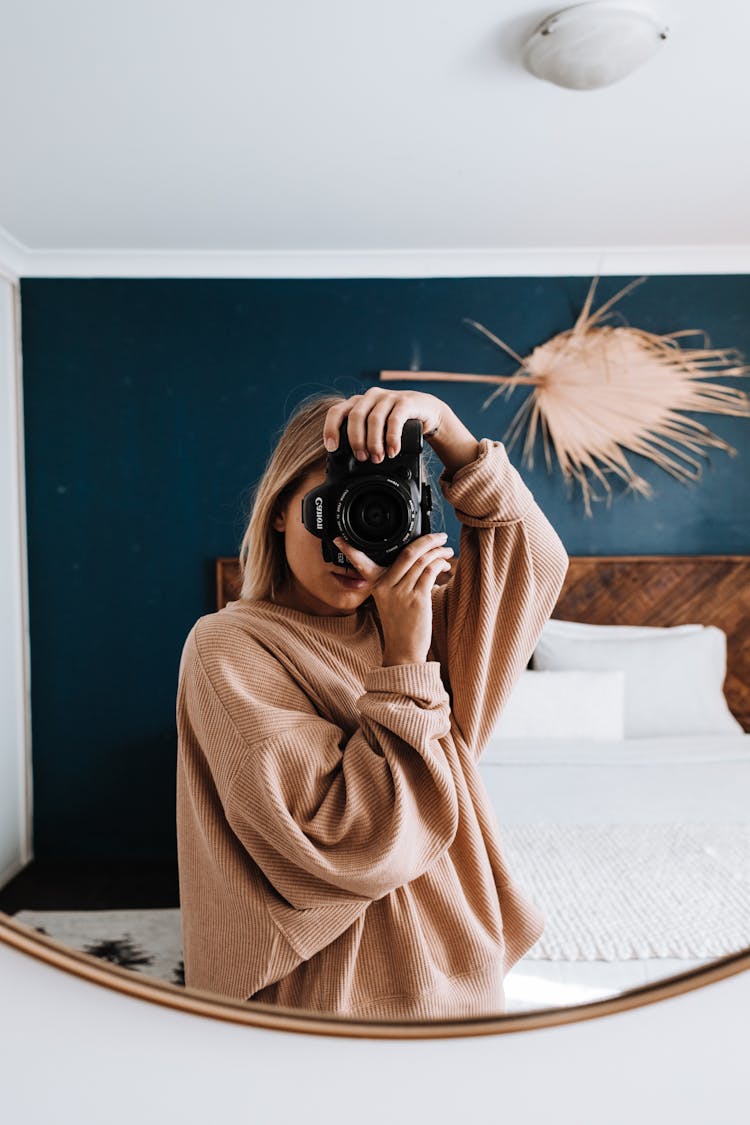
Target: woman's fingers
359	560
361	432
429	575
418	547
375	421
409	562
332	424
426	568
355	409
394	429
410	555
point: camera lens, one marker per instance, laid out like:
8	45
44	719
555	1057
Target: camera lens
376	515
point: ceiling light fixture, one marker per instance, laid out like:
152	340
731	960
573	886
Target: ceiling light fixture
592	45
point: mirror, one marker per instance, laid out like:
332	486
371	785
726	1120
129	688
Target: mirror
150	403
613	839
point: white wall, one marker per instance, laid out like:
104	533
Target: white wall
15	758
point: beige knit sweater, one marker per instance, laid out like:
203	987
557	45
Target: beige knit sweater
337	848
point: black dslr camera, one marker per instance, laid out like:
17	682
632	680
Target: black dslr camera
378	508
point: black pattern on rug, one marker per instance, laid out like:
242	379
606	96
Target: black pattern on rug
142	941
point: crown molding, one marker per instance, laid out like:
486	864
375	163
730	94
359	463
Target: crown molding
562	261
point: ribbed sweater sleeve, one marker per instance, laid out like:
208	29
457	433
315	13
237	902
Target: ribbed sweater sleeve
510	569
325	816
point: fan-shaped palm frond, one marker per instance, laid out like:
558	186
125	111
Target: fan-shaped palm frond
598	390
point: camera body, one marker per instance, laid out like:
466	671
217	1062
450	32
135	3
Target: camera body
378	508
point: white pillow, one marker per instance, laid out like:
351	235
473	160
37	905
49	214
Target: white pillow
673	680
564	705
554	627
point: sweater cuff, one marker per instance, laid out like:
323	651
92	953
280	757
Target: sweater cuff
421	682
489	490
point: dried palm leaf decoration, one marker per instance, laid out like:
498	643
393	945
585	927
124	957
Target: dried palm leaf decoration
599	390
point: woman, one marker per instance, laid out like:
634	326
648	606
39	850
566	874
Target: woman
337	848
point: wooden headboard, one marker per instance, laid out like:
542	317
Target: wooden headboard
639	590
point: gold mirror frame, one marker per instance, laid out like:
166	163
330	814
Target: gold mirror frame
277	1018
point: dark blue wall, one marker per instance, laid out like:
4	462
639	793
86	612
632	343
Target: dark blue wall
150	409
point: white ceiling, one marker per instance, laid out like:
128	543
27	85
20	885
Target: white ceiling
231	127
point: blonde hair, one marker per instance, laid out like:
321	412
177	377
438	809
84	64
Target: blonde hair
298	451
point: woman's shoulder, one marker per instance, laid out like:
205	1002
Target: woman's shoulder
224	654
233	632
238	614
231	648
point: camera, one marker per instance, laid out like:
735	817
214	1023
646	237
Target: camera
378	508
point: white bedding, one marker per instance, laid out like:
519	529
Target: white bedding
620	751
553	794
640	780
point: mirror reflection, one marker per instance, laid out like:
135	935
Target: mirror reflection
404	789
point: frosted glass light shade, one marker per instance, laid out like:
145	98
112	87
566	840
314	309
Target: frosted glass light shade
592	45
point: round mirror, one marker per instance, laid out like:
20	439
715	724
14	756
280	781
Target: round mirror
614	815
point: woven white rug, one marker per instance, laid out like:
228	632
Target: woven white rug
615	892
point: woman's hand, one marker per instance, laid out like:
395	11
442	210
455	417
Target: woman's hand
403	594
376	420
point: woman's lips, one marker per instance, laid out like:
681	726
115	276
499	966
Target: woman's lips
353	582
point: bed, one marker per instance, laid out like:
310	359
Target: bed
630	831
620	774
